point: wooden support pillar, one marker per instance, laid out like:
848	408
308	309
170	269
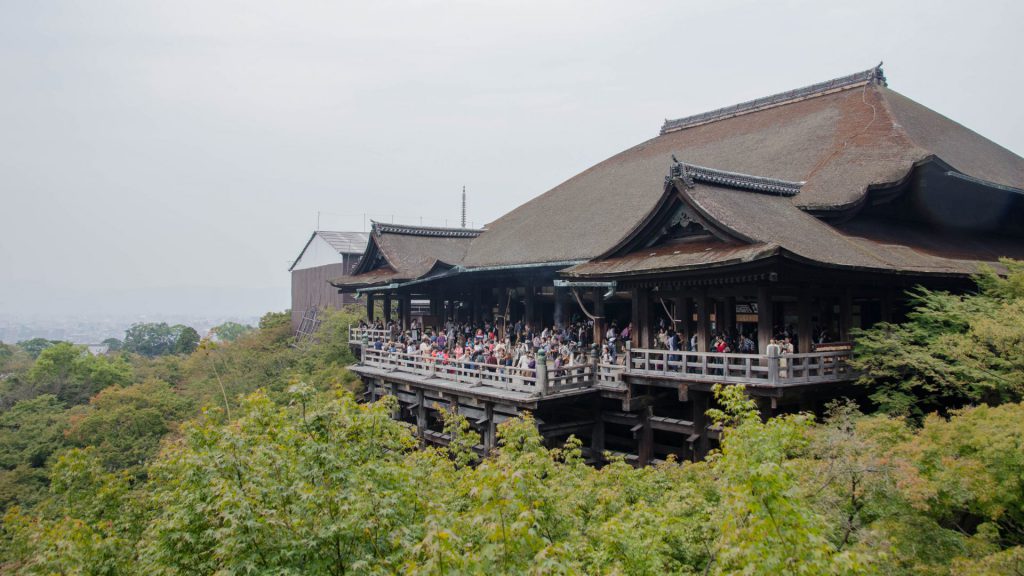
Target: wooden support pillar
887	303
765	318
634	314
490	437
387	308
600	325
804	330
679	310
561	308
406	301
845	314
642	322
700	402
645	444
530	303
421	414
703	321
369	307
476	305
597	435
396	414
729	316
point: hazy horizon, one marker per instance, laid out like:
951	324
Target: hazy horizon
173	158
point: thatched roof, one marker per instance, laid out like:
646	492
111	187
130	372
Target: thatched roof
781	175
398	253
839	141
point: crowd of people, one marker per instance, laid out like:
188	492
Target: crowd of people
490	344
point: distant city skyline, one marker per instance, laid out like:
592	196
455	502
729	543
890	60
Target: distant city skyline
170	159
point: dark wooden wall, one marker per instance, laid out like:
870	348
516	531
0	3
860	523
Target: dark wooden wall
310	288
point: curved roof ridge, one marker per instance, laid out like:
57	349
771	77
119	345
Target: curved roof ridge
382	228
873	75
690	173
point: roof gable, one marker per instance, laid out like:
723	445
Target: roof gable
400	252
327	245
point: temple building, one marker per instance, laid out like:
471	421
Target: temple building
327	255
807	214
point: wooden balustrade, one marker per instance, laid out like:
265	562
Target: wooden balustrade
749	369
483	374
728	368
355	334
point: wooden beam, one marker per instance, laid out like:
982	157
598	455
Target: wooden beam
700	402
804	330
703	321
765	319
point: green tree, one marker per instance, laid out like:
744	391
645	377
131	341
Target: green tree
112	344
73	375
149	339
36	345
230	331
125	425
952	351
31	431
187	340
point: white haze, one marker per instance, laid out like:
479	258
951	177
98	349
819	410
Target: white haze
168	157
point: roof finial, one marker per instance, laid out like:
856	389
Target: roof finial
879	74
463	206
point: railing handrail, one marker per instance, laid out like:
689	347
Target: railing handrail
724	367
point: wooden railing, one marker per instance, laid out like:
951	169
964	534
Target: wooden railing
783	370
610	375
355	334
546	380
712	367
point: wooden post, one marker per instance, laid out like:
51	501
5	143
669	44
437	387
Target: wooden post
542	373
476	305
773	364
421	413
597	435
634	298
703	321
645	448
489	431
629	356
369	307
765	321
595	363
845	315
599	324
560	308
679	313
642	326
387	308
699	401
804	334
531	298
406	300
729	316
887	303
396	414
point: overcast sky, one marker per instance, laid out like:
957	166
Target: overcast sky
173	156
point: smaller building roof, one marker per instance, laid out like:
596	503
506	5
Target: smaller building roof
343	242
400	253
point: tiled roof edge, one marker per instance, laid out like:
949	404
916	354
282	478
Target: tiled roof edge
426	231
874	75
690	174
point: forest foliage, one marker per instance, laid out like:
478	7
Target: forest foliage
255	457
